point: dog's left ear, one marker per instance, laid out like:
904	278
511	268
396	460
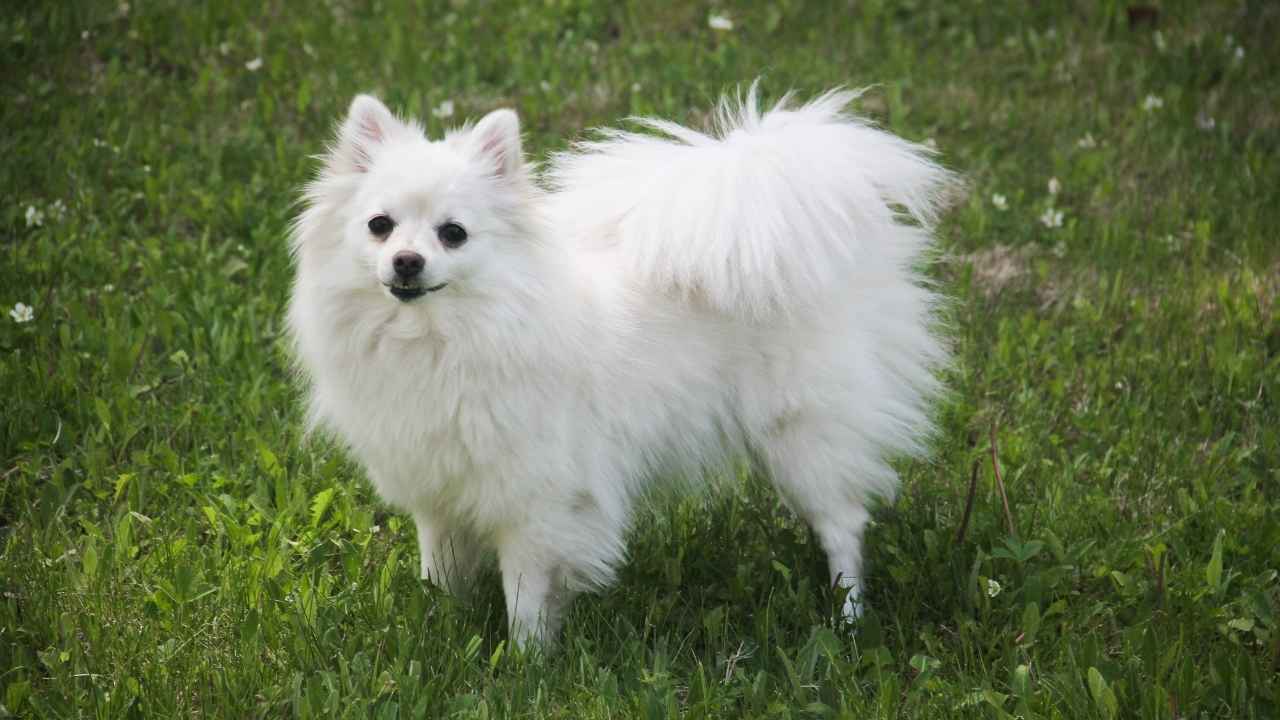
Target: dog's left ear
496	138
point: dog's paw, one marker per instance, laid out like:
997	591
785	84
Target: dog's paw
448	577
851	605
851	610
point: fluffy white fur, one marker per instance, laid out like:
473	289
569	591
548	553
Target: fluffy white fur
661	305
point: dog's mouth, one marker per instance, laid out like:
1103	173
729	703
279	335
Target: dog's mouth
406	293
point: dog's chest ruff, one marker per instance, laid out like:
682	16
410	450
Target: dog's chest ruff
440	425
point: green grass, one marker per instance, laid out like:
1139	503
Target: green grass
171	547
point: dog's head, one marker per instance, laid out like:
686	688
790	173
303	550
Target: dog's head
413	220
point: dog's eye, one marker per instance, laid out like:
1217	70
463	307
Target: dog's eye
451	234
381	225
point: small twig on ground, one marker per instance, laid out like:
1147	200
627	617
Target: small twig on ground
732	663
1004	497
968	501
1157	575
160	384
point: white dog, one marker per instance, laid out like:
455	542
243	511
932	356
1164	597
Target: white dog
513	360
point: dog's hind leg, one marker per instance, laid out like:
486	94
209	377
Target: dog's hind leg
841	537
826	483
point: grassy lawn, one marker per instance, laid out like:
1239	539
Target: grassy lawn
171	546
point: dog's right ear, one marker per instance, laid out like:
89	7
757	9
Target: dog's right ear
369	124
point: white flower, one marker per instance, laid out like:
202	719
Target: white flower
1051	218
1152	102
1000	201
35	217
546	86
22	313
58	209
1238	55
443	110
254	65
635	87
719	22
1054	186
993	588
84	34
108	288
224	47
1205	121
1087	142
1160	43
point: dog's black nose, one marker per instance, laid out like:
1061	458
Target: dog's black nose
408	264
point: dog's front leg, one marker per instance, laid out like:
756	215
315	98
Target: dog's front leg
448	556
534	584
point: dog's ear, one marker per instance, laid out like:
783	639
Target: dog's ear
369	124
496	139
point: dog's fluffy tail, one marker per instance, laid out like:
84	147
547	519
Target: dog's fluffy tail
765	214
